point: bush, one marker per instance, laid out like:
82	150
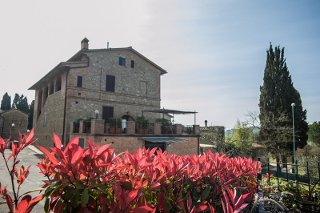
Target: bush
94	179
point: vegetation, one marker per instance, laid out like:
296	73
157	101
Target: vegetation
17	203
115	122
314	132
142	122
239	143
94	179
6	102
276	95
20	102
292	195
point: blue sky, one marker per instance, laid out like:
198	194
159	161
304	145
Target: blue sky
214	51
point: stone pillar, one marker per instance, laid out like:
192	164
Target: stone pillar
81	127
71	127
196	129
131	127
42	97
55	85
157	128
178	129
97	126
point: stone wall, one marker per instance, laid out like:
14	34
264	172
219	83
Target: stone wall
50	120
129	97
123	143
14	121
136	89
212	135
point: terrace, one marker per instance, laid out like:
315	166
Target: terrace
139	126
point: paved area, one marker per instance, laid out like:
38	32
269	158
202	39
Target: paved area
29	156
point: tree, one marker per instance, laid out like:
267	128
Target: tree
314	132
276	95
16	101
20	103
6	102
241	139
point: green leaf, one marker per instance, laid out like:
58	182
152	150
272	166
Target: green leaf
85	197
46	205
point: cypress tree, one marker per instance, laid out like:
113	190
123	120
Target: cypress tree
6	102
276	95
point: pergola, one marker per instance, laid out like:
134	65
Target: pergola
164	111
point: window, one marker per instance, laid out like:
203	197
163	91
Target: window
122	61
132	63
107	113
110	83
79	81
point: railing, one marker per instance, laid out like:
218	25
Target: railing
303	174
86	126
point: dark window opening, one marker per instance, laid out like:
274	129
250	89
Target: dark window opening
58	84
122	61
110	83
107	113
51	87
79	81
132	63
160	146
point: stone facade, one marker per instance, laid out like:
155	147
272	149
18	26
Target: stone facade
77	89
84	96
130	143
213	136
12	122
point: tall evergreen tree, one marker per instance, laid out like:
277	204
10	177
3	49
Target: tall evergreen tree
16	101
20	103
276	95
6	102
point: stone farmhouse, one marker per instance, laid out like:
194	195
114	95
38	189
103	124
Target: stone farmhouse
11	122
111	96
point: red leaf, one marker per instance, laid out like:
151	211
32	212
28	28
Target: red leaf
23	204
102	149
34	202
57	141
132	195
29	136
143	209
73	142
48	154
9	202
198	208
14	149
76	156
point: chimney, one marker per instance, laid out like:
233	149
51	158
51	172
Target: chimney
206	123
85	44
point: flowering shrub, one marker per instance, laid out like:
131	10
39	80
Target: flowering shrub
18	203
94	179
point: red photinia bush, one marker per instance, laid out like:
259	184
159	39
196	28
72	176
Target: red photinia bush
94	179
17	203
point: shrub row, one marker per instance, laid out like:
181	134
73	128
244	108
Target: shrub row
94	179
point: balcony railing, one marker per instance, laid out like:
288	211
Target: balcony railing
98	126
